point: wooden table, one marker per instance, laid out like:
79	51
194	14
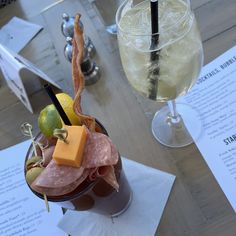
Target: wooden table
197	205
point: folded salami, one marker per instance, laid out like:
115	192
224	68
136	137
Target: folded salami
57	180
99	151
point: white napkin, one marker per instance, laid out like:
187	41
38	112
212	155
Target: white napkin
17	33
151	189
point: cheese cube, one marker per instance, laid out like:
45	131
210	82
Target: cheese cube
70	153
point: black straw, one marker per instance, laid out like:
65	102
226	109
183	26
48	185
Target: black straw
154	23
57	104
154	57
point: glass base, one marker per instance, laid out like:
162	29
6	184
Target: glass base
174	134
126	206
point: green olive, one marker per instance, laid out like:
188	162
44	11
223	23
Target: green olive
33	160
32	174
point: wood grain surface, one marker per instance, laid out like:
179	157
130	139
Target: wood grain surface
197	205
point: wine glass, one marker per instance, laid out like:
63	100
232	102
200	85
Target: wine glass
162	65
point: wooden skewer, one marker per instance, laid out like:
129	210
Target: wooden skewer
46	202
26	129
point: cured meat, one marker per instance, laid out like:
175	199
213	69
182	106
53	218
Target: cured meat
114	152
98	151
107	173
77	57
104	166
110	177
98	159
58	180
98	172
77	75
47	155
45	147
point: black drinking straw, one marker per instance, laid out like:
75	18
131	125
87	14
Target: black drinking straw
57	104
154	57
154	23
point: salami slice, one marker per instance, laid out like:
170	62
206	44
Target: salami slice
100	155
107	173
110	178
56	192
59	180
95	173
98	151
114	152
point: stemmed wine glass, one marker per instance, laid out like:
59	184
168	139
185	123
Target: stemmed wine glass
161	53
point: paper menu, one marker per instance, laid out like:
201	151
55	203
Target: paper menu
21	212
21	75
214	97
17	33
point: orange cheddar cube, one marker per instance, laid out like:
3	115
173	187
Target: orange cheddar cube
70	153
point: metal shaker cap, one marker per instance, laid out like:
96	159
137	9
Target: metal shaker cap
67	25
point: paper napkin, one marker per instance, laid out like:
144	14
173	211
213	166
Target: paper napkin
151	189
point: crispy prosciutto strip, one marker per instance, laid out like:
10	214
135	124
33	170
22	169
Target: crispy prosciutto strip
77	57
78	77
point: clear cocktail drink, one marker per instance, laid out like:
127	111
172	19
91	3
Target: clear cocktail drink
161	53
179	49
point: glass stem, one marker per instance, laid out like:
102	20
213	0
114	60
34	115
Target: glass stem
174	115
